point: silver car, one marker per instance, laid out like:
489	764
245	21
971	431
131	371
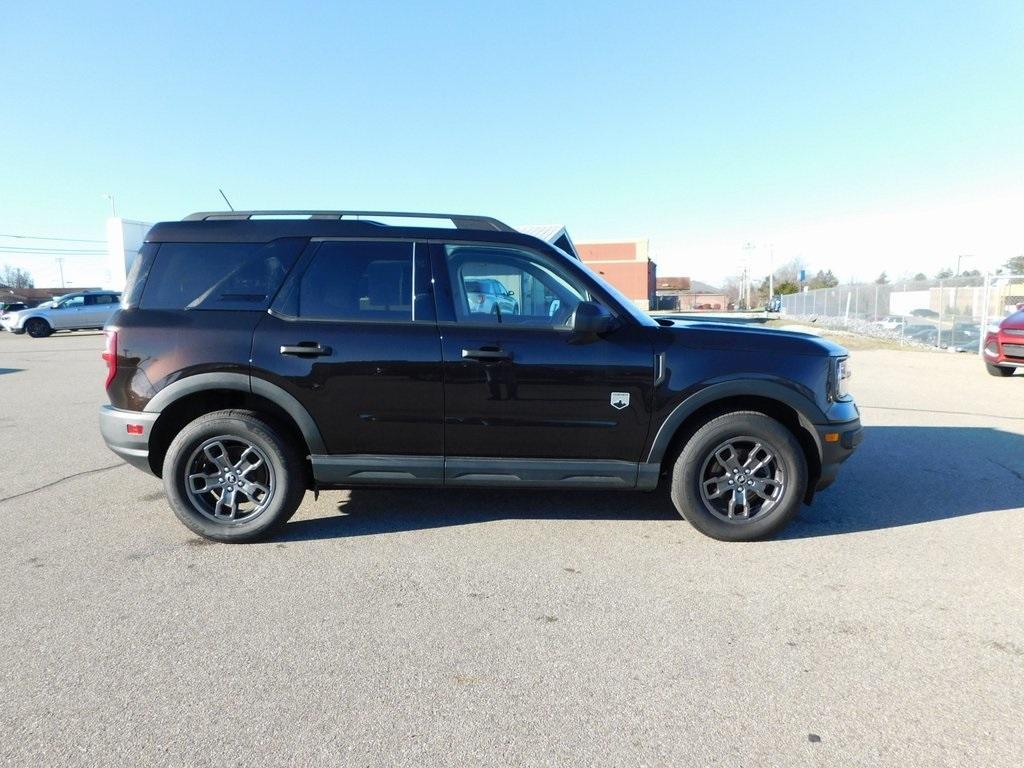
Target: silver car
487	295
75	311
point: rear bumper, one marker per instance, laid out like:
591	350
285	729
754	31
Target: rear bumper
838	442
133	448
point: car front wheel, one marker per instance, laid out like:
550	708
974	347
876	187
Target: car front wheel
741	477
998	370
231	476
38	328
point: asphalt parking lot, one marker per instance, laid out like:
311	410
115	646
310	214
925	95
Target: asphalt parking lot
514	628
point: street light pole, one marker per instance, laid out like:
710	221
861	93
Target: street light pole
113	208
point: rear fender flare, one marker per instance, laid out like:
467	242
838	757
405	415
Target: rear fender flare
241	382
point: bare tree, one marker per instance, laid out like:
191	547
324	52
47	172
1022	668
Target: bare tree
15	277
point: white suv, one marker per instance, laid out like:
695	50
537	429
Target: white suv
75	311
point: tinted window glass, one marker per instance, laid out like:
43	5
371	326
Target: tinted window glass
218	275
352	280
507	285
76	301
102	298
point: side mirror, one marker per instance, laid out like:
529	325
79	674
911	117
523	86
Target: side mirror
591	319
510	293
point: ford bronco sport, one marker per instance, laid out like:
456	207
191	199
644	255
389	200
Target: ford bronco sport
261	354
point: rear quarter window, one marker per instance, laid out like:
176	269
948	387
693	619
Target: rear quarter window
218	275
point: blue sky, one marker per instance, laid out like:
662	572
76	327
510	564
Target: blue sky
857	136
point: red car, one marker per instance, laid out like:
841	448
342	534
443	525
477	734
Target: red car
1004	348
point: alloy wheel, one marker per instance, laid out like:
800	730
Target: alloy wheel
742	479
229	480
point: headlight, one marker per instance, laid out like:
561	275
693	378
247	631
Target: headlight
841	373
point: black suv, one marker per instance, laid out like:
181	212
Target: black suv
261	354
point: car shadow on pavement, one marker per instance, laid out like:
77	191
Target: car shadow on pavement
899	476
909	475
10	370
369	511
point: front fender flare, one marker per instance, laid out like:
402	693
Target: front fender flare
807	411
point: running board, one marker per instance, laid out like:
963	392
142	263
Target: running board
369	469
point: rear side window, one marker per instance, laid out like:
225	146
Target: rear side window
366	280
218	275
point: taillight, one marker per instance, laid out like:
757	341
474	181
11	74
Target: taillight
110	356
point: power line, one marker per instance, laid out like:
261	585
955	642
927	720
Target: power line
44	251
62	239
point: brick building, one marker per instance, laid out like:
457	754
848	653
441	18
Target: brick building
681	293
626	265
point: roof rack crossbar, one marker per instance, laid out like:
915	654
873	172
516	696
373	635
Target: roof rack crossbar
460	221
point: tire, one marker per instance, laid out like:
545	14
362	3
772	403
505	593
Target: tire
38	328
212	449
998	370
783	479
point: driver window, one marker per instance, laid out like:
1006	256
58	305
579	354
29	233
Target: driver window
511	286
76	301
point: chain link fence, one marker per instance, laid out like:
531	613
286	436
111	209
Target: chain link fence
948	314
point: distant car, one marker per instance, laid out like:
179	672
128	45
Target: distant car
775	305
1004	346
890	323
922	334
929	313
7	311
75	311
487	295
964	337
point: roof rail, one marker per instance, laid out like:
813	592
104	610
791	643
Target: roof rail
460	221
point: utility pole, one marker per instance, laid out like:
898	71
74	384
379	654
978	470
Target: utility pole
60	266
771	272
113	208
956	287
746	270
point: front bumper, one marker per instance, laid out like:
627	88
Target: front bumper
838	442
1004	349
133	448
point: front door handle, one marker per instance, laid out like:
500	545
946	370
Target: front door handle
487	353
310	348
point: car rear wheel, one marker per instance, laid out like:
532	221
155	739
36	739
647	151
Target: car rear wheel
231	476
998	370
741	477
38	328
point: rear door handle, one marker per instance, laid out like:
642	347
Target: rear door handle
487	353
310	348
